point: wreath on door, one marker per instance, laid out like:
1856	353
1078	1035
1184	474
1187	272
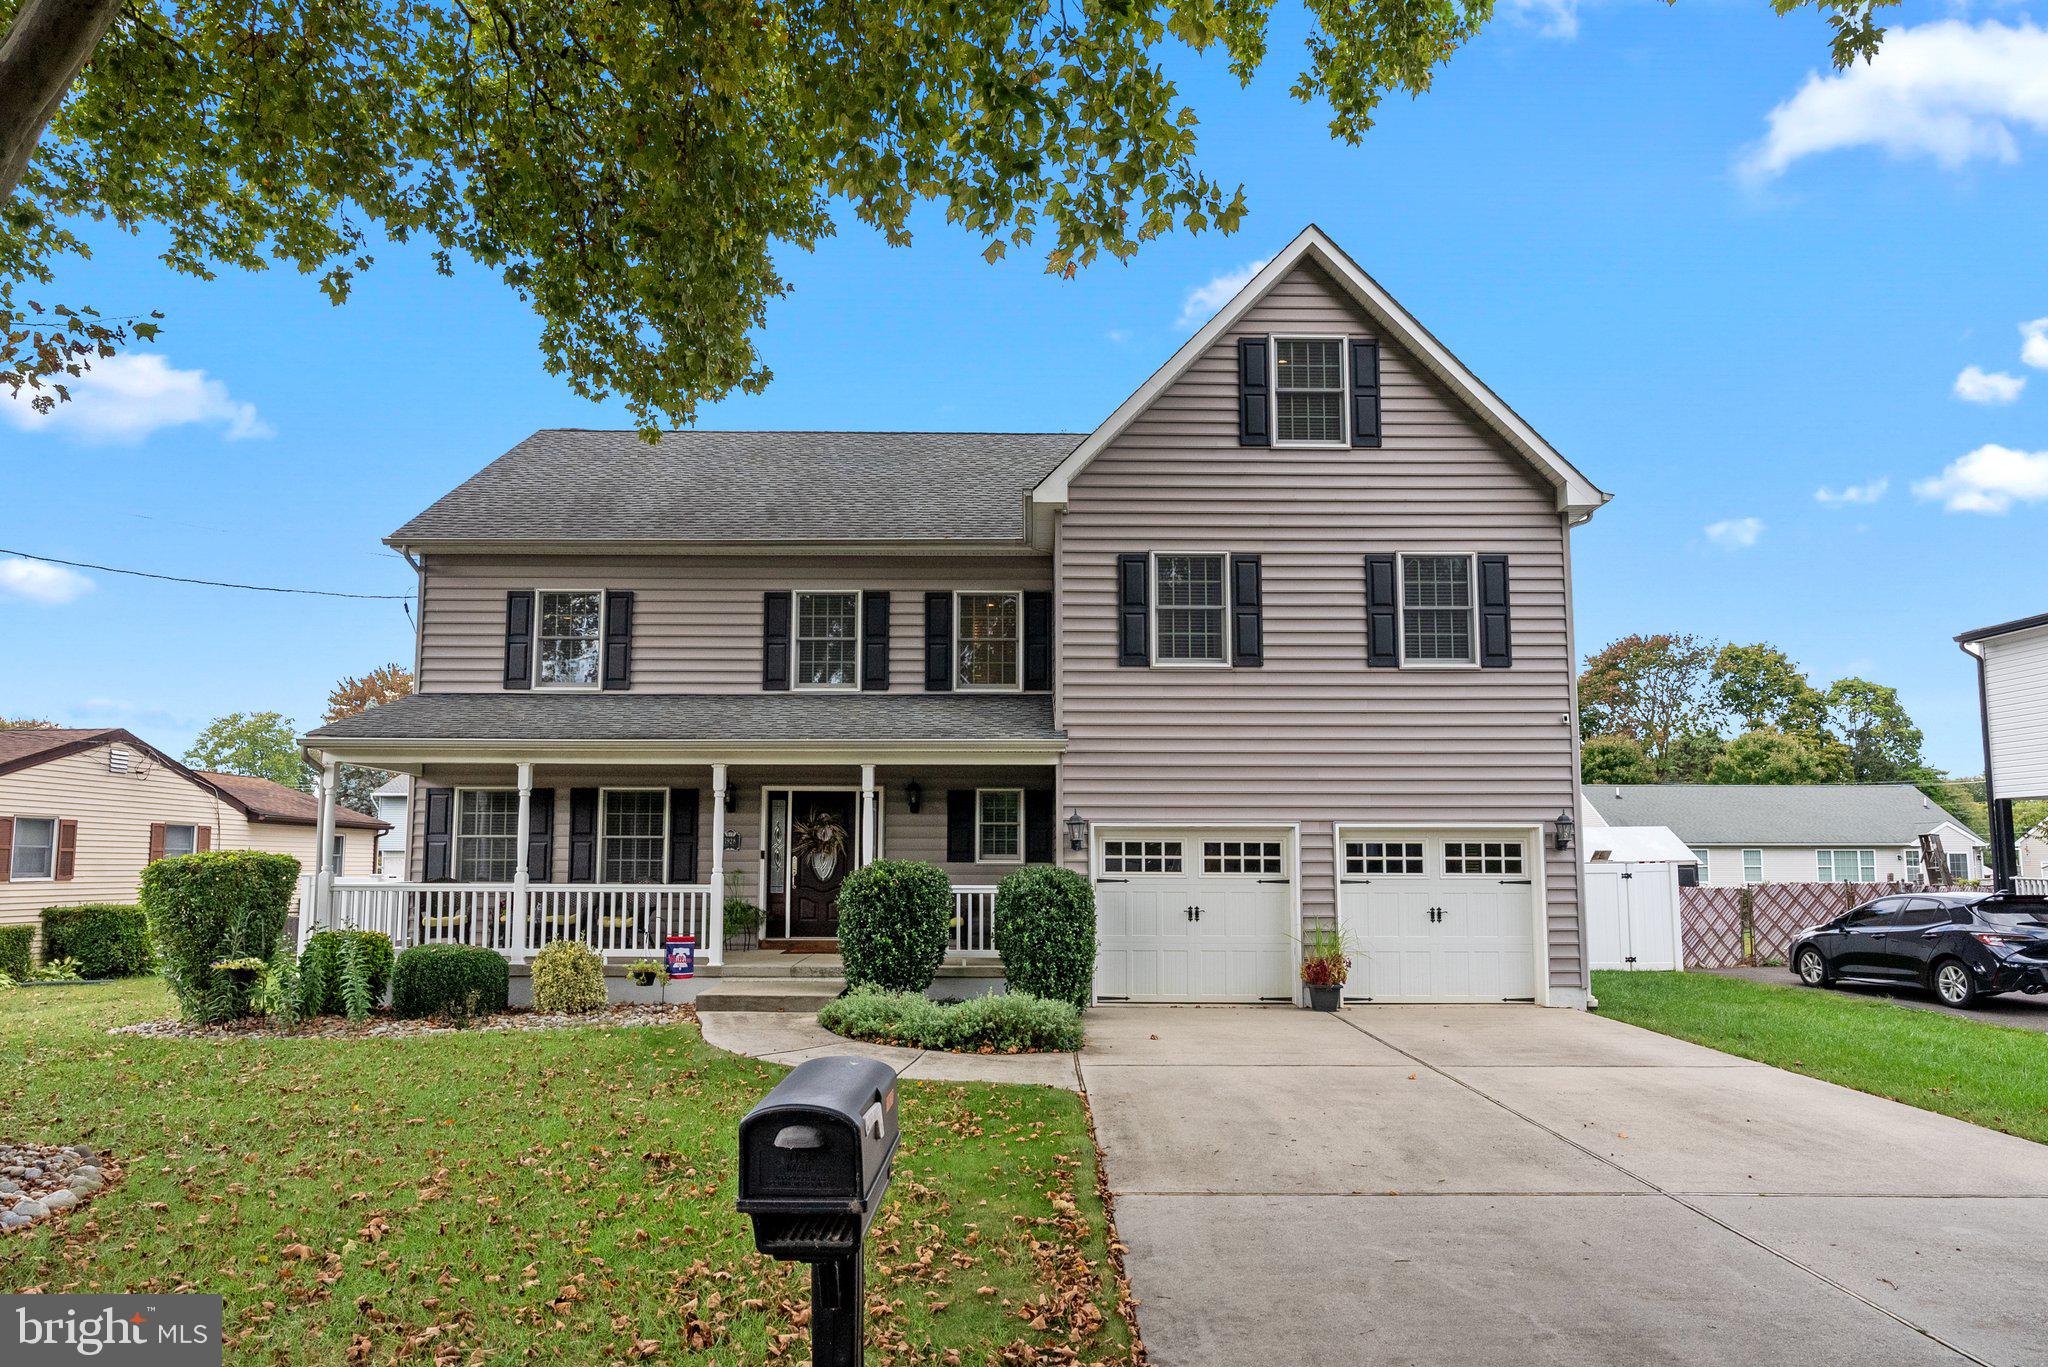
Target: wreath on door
822	840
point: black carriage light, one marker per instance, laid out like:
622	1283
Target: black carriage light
1077	832
1565	828
913	793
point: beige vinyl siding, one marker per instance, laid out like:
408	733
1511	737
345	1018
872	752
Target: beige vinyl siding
1315	736
2016	707
696	619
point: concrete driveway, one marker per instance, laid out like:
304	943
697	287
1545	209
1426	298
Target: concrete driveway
1502	1184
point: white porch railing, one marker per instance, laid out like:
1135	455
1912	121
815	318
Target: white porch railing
974	922
615	920
2030	887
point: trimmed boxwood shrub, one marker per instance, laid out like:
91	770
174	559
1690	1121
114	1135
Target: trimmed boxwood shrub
894	918
322	976
109	940
14	943
568	979
1045	933
449	980
1006	1023
204	908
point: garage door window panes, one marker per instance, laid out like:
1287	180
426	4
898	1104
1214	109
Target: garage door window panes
1240	856
1189	629
1848	866
1383	856
1482	856
1141	856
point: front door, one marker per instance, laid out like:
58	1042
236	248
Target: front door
814	877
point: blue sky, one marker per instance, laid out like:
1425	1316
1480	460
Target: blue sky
1716	277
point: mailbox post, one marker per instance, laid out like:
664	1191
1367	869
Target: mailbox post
816	1155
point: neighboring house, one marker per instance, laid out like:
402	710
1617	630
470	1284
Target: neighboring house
391	802
82	811
1286	637
2012	693
1744	833
2032	853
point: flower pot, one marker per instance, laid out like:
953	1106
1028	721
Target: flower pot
644	979
1323	997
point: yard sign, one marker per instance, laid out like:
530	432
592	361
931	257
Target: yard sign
681	953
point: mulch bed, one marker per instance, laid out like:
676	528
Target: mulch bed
381	1025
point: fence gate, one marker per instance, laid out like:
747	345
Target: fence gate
1632	915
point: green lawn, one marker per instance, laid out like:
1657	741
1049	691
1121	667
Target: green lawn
1990	1075
559	1195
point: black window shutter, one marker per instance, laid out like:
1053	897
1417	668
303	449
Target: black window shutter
1382	614
540	836
583	835
1038	826
682	835
1496	640
439	862
938	643
1037	641
618	639
1365	393
519	638
1247	613
1133	620
874	642
960	825
775	641
1254	393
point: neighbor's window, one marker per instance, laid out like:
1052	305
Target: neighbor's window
35	847
1141	856
487	836
987	640
1959	866
1706	864
1436	608
1848	866
999	826
1912	866
1189	621
827	641
181	840
635	835
340	851
1482	856
1240	856
1308	390
1752	866
570	639
1383	856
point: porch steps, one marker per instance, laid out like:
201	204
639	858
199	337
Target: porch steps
782	992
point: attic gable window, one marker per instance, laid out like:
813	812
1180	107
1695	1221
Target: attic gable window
1308	390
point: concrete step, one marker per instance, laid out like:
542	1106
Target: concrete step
790	967
768	994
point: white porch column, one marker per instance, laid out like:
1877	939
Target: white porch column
516	951
867	814
323	859
714	920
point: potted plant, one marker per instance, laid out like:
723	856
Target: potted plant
1325	964
644	972
822	840
742	920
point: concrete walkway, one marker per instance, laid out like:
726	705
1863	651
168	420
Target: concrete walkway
1501	1184
789	1037
2015	1008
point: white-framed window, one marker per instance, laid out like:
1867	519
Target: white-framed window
1847	866
1188	618
181	840
988	641
1482	856
1383	856
825	640
568	637
1308	391
1241	856
999	826
1752	866
1141	856
1437	609
634	833
486	835
1959	866
1912	865
34	852
1705	860
339	853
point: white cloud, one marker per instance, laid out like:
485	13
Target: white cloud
1976	385
2034	343
1204	299
1735	533
40	583
1118	335
1952	91
1855	493
125	398
1551	18
1989	479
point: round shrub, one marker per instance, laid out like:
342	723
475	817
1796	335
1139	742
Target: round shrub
568	979
205	908
324	969
107	939
14	943
449	980
1045	933
894	918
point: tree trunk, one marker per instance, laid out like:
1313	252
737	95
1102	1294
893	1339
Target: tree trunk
45	49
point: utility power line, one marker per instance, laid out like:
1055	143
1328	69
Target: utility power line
208	583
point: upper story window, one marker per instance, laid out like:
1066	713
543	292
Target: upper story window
826	641
1308	390
570	641
1187	626
635	835
987	639
1436	609
487	835
34	852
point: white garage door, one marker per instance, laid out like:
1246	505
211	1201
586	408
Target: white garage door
1194	916
1439	916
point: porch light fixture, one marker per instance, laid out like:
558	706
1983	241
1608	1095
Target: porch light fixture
1565	829
1077	832
913	794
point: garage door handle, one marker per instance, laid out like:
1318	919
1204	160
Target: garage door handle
1112	880
1517	882
1354	880
1276	880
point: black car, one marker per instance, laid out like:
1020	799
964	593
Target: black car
1958	945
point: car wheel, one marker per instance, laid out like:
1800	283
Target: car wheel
1813	968
1953	984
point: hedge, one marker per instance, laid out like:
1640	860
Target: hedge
203	908
108	939
449	980
14	943
894	919
1045	933
1006	1023
321	969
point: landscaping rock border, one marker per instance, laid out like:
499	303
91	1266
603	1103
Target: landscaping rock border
42	1181
382	1026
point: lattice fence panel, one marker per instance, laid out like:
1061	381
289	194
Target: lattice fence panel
1712	917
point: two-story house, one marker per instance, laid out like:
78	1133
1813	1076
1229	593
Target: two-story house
1286	638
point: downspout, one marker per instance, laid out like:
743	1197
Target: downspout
1571	717
2001	849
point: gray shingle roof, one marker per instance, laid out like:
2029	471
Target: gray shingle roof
702	716
575	485
1773	814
